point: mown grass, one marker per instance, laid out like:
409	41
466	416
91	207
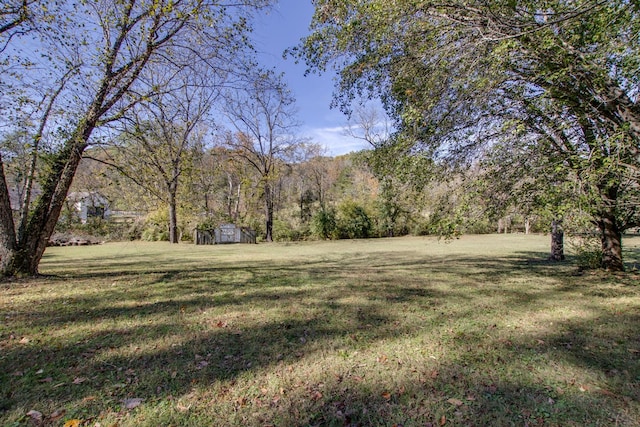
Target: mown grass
412	331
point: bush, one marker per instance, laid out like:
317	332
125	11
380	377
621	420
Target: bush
208	223
587	250
353	221
286	232
104	229
134	230
323	224
156	226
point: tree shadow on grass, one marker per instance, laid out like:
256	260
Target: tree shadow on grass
168	359
168	349
516	385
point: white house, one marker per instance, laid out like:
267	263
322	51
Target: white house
89	205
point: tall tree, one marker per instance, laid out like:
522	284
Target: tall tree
115	42
456	74
263	115
162	136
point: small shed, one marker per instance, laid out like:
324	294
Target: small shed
225	233
89	205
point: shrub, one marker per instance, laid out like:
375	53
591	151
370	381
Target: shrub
353	221
323	224
156	226
285	231
587	250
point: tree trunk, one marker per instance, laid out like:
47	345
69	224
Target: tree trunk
611	238
268	197
24	258
527	225
173	217
7	227
557	241
610	232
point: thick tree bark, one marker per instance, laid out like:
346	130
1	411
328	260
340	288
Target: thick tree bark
268	197
611	238
7	227
173	216
610	230
557	241
24	258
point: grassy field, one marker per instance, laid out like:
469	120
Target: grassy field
409	331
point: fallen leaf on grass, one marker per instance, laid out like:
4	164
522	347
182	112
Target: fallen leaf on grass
35	415
456	402
132	402
46	380
386	395
183	408
79	380
72	423
57	414
443	420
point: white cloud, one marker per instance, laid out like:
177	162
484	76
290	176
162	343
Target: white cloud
336	140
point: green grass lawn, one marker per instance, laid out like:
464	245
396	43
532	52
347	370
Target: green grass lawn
413	331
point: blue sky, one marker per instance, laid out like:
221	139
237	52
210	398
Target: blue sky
280	29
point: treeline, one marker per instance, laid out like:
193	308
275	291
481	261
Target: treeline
317	197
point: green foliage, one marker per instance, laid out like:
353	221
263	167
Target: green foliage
69	219
480	226
156	226
587	250
257	224
447	226
112	230
353	222
134	231
324	224
284	231
555	84
208	223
